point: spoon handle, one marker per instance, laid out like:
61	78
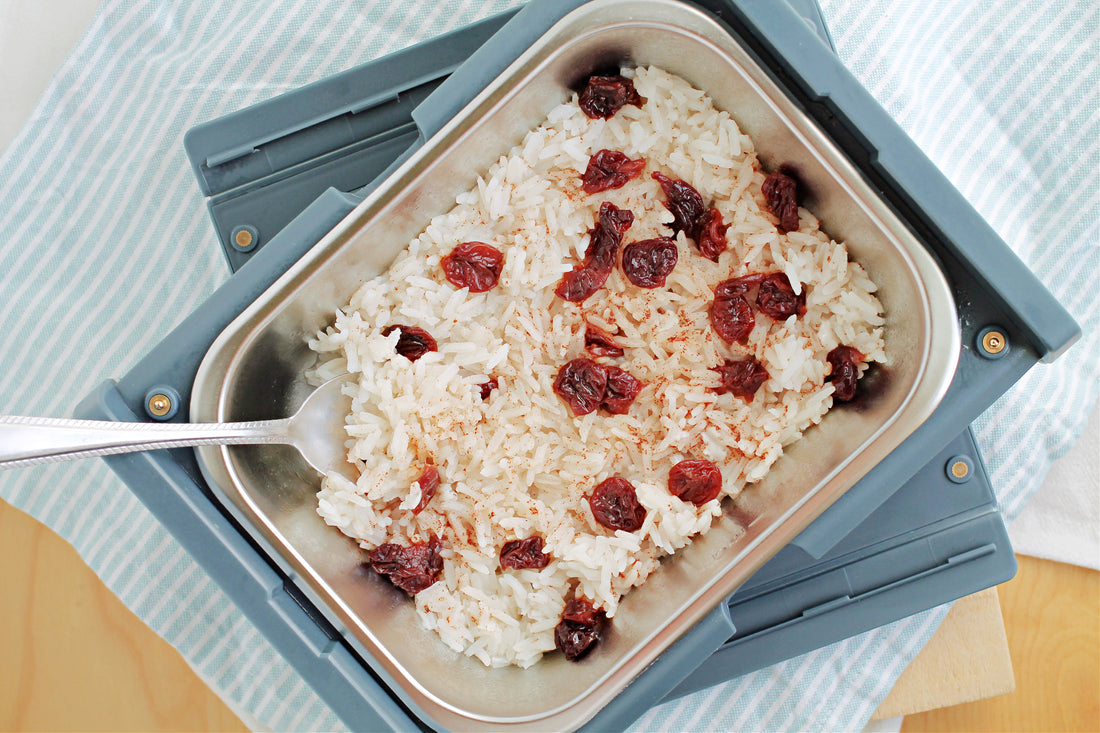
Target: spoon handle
27	441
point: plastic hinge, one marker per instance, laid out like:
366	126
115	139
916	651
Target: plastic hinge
954	560
834	604
827	606
972	554
390	95
231	154
354	108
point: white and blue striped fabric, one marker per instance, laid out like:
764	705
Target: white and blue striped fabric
105	245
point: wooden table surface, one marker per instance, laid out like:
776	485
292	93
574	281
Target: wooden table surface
74	658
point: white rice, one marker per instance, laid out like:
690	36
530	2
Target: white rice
521	463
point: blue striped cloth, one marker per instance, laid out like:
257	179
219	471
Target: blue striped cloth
105	245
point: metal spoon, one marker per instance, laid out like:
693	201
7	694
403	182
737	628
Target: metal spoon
316	430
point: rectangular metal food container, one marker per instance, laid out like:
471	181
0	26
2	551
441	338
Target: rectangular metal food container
256	368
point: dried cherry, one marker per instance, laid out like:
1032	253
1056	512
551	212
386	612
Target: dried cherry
586	385
691	217
845	363
579	283
580	610
429	482
599	259
523	554
413	342
776	297
488	387
780	191
684	202
473	265
731	315
649	262
603	96
581	383
694	480
611	223
599	342
710	235
738	285
614	504
609	169
412	568
622	387
580	628
742	378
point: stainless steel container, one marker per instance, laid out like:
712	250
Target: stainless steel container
255	370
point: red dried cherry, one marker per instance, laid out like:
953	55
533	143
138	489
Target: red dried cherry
611	223
743	378
732	318
649	262
473	265
614	504
683	201
429	482
488	387
845	363
600	342
523	554
610	169
413	342
586	385
730	313
738	285
695	481
603	248
412	568
580	610
701	224
579	283
710	235
622	387
781	195
581	383
580	629
776	297
603	96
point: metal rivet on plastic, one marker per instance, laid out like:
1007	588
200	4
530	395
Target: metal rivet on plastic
162	403
959	469
992	342
244	238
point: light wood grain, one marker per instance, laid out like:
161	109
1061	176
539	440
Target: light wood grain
75	659
1052	618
